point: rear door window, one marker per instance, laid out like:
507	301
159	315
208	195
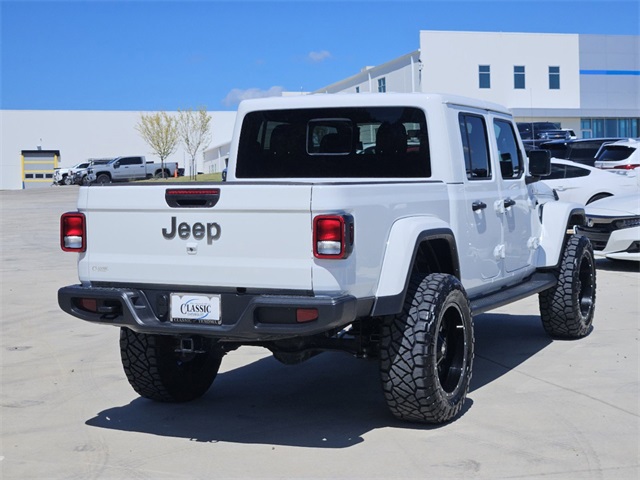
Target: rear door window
130	161
473	132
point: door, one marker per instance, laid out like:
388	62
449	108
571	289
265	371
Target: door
130	168
480	251
514	207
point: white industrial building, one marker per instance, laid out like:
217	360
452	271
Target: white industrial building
588	83
34	142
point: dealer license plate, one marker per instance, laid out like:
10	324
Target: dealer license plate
193	308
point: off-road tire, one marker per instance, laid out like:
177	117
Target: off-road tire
156	371
567	309
426	354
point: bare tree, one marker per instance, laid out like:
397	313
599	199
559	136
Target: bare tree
195	132
160	131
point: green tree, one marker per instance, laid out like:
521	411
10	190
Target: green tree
194	128
160	131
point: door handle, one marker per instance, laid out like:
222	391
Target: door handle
508	202
478	205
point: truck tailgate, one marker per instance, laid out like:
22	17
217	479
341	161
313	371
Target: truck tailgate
254	236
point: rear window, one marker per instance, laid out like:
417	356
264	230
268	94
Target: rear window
584	150
378	142
559	150
615	153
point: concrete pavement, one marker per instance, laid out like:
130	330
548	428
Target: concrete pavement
537	408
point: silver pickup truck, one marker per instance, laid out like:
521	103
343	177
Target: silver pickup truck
123	169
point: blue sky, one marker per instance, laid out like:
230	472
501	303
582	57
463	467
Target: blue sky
165	55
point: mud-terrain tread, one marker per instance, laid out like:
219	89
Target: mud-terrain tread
560	310
155	371
410	380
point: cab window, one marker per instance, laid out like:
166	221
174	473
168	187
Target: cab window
509	155
473	133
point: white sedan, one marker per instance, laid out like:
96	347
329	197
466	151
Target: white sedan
583	184
613	226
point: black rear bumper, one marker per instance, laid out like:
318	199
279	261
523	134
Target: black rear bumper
245	317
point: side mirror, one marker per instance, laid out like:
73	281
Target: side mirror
539	163
116	165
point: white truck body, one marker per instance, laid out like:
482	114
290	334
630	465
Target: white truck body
266	237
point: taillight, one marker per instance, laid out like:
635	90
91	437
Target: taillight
73	232
333	236
626	167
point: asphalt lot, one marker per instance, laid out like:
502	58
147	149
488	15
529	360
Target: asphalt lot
537	408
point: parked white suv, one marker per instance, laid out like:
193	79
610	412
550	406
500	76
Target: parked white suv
623	154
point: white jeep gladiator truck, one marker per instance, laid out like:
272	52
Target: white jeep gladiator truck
378	225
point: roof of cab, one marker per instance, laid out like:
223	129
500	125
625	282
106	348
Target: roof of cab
327	100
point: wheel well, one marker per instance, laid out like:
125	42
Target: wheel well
103	173
437	255
598	196
435	251
576	218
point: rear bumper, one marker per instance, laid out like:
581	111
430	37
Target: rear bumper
245	318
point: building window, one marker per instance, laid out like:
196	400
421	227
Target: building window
518	77
610	127
484	74
382	85
357	89
554	78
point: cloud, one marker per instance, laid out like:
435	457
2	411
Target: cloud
236	95
317	57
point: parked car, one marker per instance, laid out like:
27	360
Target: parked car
581	150
124	169
613	226
64	176
623	154
584	184
80	175
534	133
386	255
541	130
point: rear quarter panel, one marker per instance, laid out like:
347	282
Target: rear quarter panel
375	208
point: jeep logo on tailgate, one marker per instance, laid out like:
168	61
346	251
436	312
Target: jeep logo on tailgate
199	231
